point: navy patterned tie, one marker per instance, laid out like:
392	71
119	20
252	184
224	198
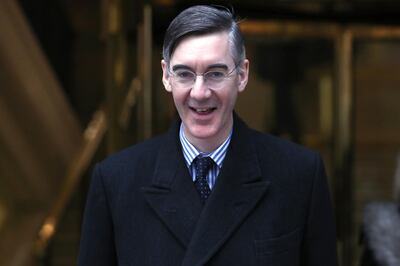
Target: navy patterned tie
202	166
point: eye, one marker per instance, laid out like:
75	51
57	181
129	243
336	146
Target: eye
215	75
184	74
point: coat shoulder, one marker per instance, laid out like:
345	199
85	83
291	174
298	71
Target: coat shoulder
282	148
138	158
287	161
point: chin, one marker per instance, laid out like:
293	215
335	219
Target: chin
202	132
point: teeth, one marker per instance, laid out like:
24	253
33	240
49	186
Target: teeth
201	110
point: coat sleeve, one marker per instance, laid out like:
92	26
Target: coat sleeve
97	237
319	246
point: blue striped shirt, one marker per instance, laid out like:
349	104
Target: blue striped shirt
190	153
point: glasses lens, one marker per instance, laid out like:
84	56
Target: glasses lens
215	76
185	76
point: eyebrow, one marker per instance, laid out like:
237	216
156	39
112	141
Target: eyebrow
218	66
181	66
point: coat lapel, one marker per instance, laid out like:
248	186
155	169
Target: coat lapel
172	194
237	191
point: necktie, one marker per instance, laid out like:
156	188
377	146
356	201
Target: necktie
202	166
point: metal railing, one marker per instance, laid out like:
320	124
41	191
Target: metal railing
92	136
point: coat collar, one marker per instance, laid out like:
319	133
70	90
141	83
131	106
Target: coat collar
203	229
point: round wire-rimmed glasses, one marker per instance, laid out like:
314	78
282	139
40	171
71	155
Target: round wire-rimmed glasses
213	78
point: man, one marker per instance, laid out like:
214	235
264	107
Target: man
211	191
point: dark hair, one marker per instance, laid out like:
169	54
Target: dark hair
201	20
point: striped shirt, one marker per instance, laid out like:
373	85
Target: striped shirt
190	153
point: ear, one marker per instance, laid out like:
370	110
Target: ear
243	75
166	77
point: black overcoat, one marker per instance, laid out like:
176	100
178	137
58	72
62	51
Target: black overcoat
270	206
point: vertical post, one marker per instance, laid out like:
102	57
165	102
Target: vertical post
147	73
145	49
343	149
116	46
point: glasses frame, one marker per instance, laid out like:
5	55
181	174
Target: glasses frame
226	76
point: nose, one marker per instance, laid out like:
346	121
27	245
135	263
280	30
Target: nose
200	90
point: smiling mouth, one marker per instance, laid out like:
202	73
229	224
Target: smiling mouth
203	111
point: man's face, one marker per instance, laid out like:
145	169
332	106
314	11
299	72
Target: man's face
206	112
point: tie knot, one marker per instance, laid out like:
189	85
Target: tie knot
203	165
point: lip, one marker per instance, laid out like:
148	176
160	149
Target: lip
202	113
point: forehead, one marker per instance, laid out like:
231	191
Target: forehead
203	49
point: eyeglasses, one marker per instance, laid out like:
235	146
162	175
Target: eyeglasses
213	78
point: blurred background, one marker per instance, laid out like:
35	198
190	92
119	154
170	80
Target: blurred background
80	80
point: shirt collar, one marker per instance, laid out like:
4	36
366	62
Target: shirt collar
190	152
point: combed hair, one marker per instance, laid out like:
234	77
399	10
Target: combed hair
201	20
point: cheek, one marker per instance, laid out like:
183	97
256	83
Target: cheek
230	99
178	97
